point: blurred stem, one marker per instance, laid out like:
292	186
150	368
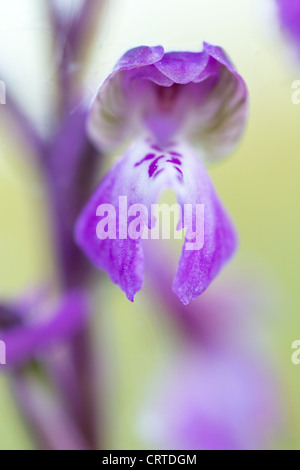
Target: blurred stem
85	368
72	162
75	378
74	273
50	424
73	425
71	39
26	129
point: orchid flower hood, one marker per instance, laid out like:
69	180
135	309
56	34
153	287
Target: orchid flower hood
175	112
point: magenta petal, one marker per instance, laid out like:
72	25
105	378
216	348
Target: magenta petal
122	259
183	67
23	343
152	74
220	56
197	269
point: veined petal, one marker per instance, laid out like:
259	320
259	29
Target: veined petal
140	177
220	122
110	121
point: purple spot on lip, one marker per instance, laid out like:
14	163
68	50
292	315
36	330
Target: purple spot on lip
158	173
176	154
171	144
150	156
175	161
154	165
156	147
180	172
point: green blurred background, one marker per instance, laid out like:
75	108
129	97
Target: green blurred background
259	185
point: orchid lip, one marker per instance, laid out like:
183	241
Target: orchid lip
137	181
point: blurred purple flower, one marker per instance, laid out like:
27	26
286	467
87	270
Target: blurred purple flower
289	11
169	103
217	391
223	400
51	337
217	318
28	331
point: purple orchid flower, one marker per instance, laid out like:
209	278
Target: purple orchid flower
170	104
33	332
289	12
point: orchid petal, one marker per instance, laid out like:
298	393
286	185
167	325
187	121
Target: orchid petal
140	57
198	268
183	67
208	103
